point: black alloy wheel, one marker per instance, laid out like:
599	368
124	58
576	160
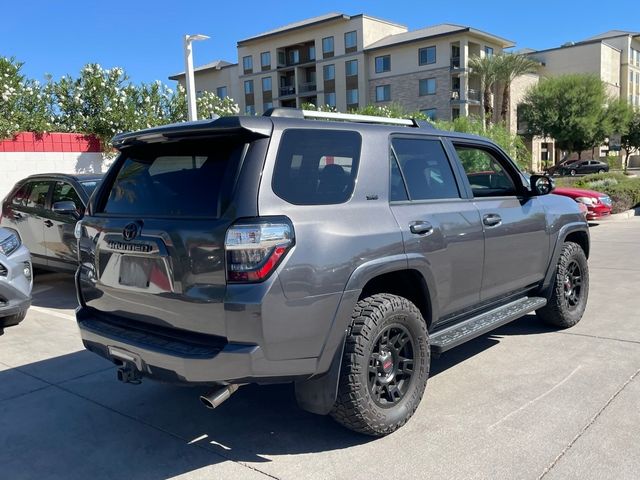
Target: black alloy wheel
572	285
391	366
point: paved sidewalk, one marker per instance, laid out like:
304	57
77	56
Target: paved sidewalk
525	402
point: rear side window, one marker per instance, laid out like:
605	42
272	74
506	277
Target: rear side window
21	196
38	195
191	179
316	167
425	168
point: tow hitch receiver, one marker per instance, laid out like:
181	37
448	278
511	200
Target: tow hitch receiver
129	374
130	365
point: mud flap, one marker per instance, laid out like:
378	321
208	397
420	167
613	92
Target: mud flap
318	394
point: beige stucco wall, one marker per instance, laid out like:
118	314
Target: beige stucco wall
210	80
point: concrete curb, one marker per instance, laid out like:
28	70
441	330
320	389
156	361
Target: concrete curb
634	212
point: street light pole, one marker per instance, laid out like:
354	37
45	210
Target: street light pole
192	113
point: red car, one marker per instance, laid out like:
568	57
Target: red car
598	204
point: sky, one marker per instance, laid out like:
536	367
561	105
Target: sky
145	37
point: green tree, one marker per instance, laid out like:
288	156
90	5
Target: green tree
487	68
510	142
511	66
570	109
631	139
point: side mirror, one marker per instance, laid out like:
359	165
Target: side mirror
65	208
542	184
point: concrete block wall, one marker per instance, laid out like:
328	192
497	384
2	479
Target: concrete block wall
27	154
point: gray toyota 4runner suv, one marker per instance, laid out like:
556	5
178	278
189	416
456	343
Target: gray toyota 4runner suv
338	252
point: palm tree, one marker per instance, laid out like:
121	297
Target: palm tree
509	67
487	69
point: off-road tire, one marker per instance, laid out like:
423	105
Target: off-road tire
572	173
558	311
355	407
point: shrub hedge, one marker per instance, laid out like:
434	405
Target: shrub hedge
623	190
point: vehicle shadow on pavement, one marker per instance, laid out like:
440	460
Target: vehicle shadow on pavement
92	423
527	325
54	290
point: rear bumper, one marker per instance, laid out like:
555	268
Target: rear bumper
181	361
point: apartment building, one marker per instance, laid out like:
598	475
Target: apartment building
350	61
614	56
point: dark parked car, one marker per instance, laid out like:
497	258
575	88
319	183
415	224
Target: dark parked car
44	210
339	255
582	167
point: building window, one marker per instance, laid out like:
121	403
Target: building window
330	99
327	47
431	113
294	56
352	97
265	60
248	87
266	106
383	93
455	113
247	64
488	51
312	52
250	110
427	86
221	92
383	63
329	72
350	42
427	55
266	84
351	67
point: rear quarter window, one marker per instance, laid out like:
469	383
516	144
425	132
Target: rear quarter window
316	167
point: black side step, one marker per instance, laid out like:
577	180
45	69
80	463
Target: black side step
454	335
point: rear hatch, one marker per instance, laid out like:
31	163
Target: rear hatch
152	246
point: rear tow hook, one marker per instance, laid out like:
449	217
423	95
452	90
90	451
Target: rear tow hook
217	397
129	374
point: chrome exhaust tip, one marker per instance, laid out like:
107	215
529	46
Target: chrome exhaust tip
217	397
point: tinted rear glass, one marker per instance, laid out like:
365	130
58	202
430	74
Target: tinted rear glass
192	179
316	167
89	186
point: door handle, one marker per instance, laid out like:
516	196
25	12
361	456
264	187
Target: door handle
48	223
491	220
420	227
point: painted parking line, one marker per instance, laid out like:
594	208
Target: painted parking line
53	312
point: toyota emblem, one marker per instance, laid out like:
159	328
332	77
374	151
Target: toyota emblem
130	231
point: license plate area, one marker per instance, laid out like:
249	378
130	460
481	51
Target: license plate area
136	271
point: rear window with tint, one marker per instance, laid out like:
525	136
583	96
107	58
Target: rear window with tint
191	179
316	167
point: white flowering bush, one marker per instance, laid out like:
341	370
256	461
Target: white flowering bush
209	104
24	104
100	101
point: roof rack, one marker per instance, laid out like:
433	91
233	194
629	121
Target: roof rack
345	117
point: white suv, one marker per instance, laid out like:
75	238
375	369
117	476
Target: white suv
16	279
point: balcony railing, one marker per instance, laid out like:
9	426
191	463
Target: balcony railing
307	87
455	62
473	95
287	90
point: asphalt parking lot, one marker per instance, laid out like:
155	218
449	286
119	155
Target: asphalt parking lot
524	402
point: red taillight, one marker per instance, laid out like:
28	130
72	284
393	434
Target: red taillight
254	248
